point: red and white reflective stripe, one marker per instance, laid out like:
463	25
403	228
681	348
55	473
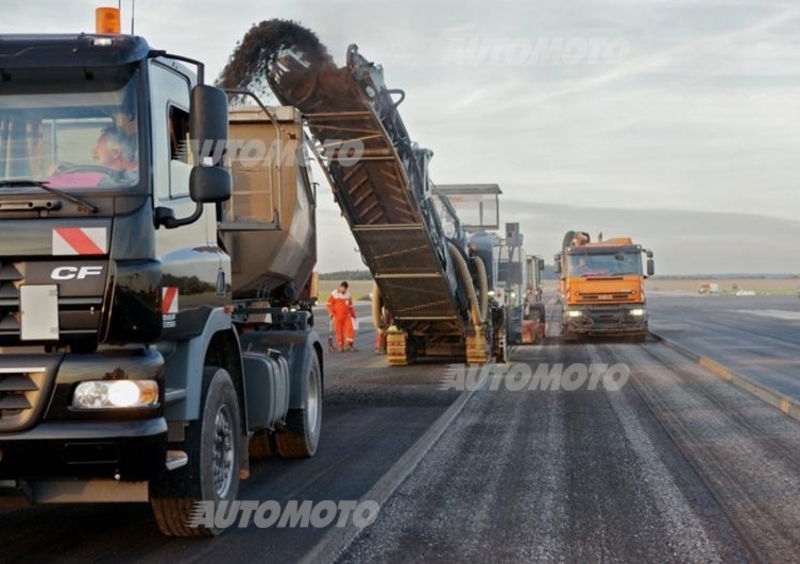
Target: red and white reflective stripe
80	241
169	299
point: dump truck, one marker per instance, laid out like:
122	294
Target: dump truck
154	328
601	287
431	289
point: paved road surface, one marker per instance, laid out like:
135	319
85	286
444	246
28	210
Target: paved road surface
758	337
675	466
371	416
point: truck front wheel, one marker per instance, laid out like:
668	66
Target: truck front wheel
211	474
301	436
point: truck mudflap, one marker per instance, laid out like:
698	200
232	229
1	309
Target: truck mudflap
609	320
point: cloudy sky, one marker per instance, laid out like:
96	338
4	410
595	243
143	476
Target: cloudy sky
676	122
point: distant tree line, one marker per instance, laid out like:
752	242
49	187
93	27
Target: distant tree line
346	275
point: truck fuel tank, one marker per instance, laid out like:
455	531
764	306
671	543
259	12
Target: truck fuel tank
266	376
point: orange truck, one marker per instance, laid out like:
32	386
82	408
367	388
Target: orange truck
601	287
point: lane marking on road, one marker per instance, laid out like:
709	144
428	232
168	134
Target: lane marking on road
785	314
784	403
336	541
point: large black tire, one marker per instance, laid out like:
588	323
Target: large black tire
212	472
300	438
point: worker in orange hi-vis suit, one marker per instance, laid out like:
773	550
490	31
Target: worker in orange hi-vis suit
340	307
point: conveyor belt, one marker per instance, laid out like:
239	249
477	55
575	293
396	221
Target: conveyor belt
381	191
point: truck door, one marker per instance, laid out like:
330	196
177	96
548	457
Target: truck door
191	259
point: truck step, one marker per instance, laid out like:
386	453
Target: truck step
176	459
174	395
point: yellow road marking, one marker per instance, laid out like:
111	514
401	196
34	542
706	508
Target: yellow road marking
716	368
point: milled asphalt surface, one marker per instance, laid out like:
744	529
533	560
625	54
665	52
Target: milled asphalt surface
371	416
755	336
675	466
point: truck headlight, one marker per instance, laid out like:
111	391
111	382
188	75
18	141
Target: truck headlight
105	394
574	313
637	312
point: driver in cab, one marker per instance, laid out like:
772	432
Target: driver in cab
115	164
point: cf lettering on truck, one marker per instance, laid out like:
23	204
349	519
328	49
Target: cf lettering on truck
73	272
152	342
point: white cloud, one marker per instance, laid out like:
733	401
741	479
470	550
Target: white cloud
702	116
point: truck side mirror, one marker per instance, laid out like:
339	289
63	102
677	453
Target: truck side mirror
208	132
209	184
209	181
208	125
651	267
557	264
541	265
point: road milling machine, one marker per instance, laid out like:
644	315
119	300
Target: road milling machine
431	289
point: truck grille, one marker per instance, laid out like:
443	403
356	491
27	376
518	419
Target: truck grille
20	396
604	297
79	302
10	280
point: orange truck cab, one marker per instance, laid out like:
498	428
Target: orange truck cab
601	287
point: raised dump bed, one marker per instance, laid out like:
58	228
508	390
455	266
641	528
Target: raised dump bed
269	224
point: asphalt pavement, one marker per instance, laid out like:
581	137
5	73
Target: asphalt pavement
756	336
674	466
372	415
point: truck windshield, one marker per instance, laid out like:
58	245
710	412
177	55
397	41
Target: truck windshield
72	132
611	264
